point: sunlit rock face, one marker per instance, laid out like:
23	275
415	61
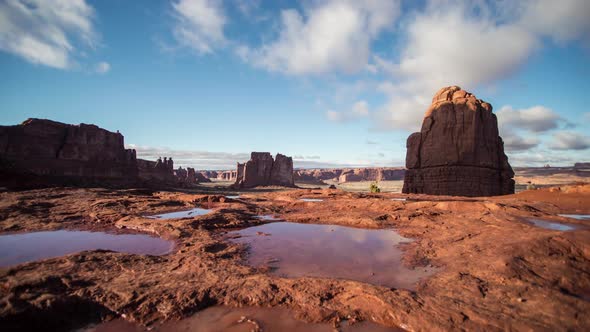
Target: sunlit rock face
458	150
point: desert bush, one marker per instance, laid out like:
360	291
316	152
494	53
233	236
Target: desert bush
375	188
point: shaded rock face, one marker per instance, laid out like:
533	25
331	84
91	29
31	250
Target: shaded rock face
53	149
263	170
458	150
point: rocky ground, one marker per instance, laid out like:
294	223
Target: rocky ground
496	271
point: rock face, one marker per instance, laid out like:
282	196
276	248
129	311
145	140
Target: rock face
371	174
227	175
458	150
263	170
68	152
349	174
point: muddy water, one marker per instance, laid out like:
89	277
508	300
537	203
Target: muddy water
297	250
181	214
26	247
556	226
246	319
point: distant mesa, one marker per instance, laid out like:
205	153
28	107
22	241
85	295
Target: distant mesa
458	150
344	175
263	170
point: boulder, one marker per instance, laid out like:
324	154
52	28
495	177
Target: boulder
458	150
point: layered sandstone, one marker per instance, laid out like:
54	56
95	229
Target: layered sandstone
343	175
371	174
458	150
50	149
263	170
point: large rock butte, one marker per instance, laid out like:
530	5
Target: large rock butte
458	150
263	170
41	152
50	149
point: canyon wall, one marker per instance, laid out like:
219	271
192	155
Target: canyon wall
343	175
74	153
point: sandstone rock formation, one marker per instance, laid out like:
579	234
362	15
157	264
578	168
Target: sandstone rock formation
371	174
66	153
263	170
227	175
458	150
343	175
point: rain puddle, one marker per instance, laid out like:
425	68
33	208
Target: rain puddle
181	214
27	247
297	250
268	217
311	199
245	319
398	199
232	196
576	216
556	226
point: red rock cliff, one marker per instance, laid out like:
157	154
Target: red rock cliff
458	150
263	170
49	148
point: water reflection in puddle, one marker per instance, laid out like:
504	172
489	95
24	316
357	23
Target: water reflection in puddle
552	225
398	199
245	319
311	199
181	214
269	217
576	216
232	196
26	247
297	250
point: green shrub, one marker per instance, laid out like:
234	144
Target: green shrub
374	188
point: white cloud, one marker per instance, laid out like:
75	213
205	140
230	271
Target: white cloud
471	44
43	32
360	109
333	35
536	119
566	140
102	67
563	20
189	158
514	142
199	24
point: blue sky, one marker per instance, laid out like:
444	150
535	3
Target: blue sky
332	82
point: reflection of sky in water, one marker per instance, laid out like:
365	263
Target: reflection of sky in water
311	199
577	216
397	199
181	214
330	251
26	247
551	225
232	196
267	217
